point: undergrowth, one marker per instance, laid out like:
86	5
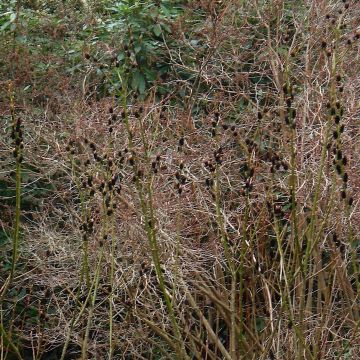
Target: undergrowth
195	171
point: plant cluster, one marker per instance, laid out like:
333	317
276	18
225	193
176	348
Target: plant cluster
203	200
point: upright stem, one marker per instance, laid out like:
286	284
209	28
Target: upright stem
16	234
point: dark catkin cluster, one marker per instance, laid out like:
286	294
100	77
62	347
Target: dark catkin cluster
339	85
340	160
112	119
90	185
108	189
181	143
246	171
276	209
110	206
287	35
70	147
353	38
87	228
277	164
155	164
209	183
209	166
339	245
17	137
180	179
215	123
251	146
218	155
247	174
234	131
290	111
96	156
162	114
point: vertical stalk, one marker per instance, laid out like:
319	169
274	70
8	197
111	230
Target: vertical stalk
16	233
147	209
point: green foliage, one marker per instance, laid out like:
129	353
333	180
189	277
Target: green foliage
7	21
142	30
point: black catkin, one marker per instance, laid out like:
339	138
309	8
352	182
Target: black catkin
338	169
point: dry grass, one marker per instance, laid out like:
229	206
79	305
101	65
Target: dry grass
257	246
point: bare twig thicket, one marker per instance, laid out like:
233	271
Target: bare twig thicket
223	224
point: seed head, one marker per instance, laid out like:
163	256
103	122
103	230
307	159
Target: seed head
208	182
343	194
338	168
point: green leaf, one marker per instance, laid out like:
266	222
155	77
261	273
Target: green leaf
137	48
157	30
138	82
5	25
150	74
260	324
